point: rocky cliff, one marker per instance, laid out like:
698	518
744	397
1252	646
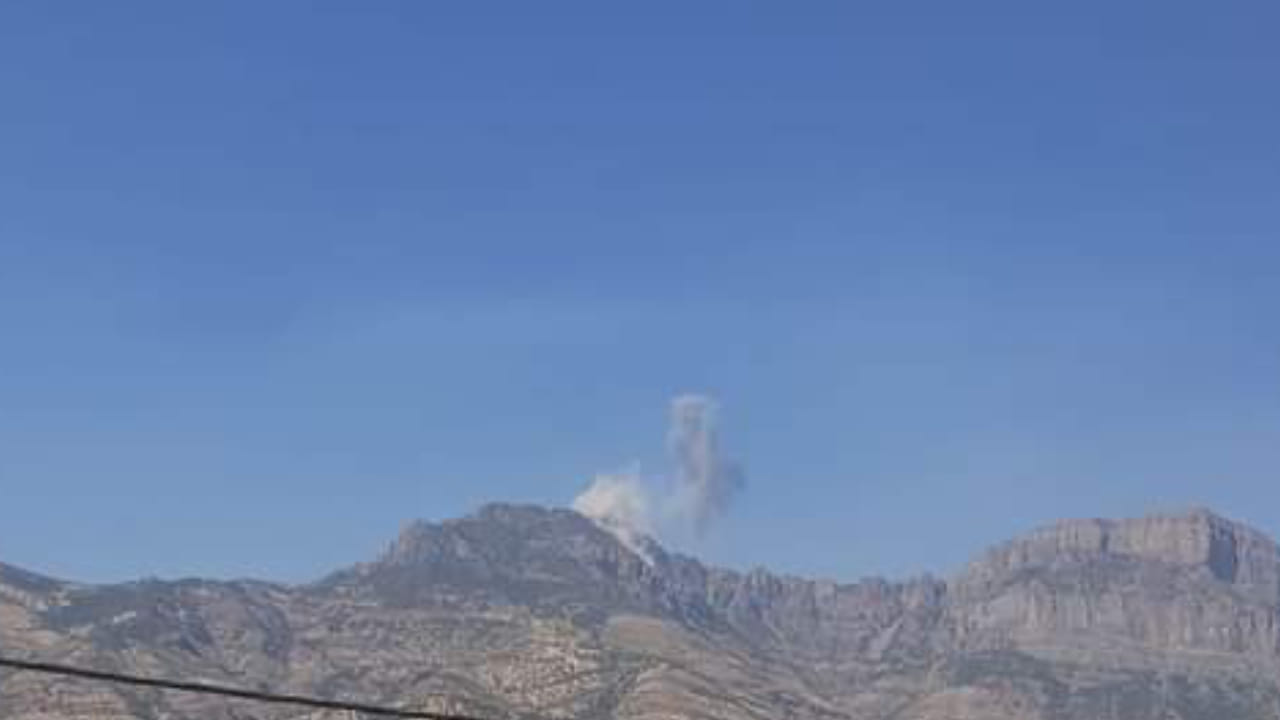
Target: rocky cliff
520	611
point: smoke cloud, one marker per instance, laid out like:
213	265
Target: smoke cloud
706	481
619	503
702	487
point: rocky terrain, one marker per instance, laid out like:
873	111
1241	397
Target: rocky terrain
525	612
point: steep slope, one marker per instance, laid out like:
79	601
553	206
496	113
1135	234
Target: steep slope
519	611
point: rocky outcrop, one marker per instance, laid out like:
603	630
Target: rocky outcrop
519	611
1132	590
1197	540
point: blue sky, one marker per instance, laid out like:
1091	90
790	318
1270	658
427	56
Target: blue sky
278	277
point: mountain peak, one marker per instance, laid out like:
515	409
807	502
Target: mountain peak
520	513
503	552
496	527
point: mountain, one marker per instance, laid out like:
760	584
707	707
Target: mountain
527	612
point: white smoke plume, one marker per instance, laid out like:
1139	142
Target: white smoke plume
619	503
705	481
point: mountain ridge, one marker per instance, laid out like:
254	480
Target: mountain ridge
524	611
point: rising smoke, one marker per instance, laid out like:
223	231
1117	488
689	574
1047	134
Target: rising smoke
703	485
619	503
706	480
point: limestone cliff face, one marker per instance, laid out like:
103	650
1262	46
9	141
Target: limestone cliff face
1198	540
519	611
1190	582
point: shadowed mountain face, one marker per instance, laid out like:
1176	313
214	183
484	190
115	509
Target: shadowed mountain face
523	612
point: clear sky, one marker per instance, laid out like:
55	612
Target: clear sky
277	277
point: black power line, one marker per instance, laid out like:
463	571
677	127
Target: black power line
225	691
